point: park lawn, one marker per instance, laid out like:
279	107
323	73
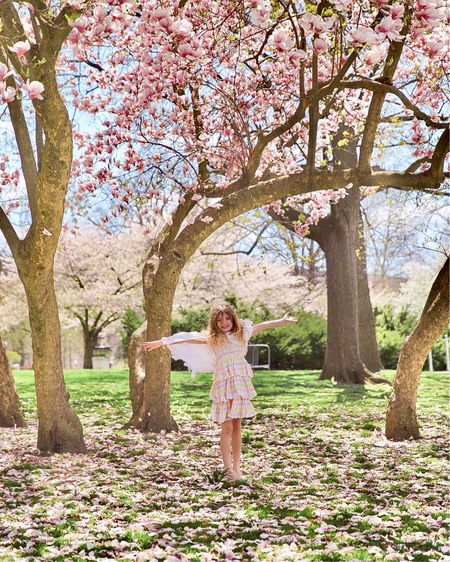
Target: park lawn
321	482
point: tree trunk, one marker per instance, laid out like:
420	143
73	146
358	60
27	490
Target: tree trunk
153	413
10	411
351	339
136	363
90	339
401	419
337	235
368	346
59	428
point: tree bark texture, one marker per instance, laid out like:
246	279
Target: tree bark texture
46	180
337	236
351	337
401	418
59	428
368	346
136	363
10	410
151	411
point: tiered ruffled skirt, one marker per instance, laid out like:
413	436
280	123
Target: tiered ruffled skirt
231	393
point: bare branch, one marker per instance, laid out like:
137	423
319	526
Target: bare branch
246	252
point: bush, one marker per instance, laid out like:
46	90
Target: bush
294	346
297	346
13	357
391	331
131	321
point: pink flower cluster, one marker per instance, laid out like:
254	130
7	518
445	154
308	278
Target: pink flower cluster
34	88
312	23
260	13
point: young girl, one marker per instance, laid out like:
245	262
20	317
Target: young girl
224	353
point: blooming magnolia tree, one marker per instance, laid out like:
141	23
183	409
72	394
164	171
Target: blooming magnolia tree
31	38
198	104
211	109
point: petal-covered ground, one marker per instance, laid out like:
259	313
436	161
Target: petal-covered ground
321	481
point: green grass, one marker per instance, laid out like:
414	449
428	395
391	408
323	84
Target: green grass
320	481
106	391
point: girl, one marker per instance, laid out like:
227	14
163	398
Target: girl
223	351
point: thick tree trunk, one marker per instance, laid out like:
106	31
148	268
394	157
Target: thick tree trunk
59	428
351	337
136	364
90	340
337	235
10	411
368	347
401	419
160	282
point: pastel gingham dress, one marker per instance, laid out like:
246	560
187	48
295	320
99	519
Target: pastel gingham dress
232	388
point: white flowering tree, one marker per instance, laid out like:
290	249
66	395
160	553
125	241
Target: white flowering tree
98	278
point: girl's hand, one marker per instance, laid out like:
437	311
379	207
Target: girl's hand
149	345
288	318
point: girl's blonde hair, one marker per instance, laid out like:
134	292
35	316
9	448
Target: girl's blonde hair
214	334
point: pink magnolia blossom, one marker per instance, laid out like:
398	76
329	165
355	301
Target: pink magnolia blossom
297	56
164	18
434	48
341	5
186	51
182	27
390	28
7	93
34	89
191	50
365	35
320	45
20	48
99	14
283	40
81	24
316	24
260	15
430	12
397	11
375	55
4	72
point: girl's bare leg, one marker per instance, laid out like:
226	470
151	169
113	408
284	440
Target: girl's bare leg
225	445
236	445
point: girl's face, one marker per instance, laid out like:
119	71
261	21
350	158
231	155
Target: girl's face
224	322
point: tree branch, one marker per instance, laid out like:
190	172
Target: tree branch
8	232
246	252
380	87
263	193
376	105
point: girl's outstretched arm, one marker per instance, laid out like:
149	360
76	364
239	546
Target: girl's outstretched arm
287	319
149	345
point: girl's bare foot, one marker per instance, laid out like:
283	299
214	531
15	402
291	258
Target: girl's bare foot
230	475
